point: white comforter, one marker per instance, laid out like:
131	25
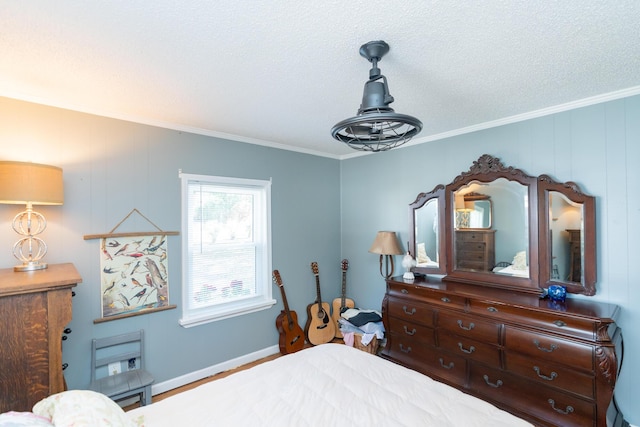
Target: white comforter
327	385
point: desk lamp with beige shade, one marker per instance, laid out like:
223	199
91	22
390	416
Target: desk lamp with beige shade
30	184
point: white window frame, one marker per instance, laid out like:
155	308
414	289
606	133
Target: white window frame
262	300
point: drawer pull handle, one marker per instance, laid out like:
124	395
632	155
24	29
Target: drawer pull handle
470	327
492	309
410	313
404	291
566	411
544	377
464	350
406	331
559	323
548	350
489	383
405	350
449	366
445	299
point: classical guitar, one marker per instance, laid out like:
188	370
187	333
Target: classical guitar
319	328
341	304
291	334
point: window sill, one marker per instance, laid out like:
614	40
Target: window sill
188	322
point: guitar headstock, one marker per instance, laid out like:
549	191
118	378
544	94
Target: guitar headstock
276	278
314	268
345	264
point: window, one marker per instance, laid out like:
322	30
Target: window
226	247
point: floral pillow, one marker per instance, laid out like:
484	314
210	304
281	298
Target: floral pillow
82	408
520	261
422	254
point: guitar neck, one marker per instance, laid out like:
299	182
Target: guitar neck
278	281
345	265
318	296
286	304
343	300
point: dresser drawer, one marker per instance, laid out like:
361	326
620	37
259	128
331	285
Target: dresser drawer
463	250
471	349
472	236
427	295
544	402
550	348
446	366
552	375
576	327
469	326
413	331
412	311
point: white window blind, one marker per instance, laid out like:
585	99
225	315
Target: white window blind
226	247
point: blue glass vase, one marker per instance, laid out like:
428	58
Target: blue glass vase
557	293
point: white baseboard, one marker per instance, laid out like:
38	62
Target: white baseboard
212	370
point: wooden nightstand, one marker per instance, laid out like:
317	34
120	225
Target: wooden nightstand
35	307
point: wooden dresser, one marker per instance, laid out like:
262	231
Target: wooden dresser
553	364
34	309
475	249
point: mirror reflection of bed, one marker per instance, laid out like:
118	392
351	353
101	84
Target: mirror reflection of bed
518	267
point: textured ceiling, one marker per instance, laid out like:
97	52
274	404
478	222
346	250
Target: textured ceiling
282	73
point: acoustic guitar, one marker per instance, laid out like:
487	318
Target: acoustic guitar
343	303
291	334
319	327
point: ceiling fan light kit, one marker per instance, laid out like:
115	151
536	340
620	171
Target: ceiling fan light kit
376	127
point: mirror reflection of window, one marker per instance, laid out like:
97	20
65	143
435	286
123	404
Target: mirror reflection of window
567	238
480	213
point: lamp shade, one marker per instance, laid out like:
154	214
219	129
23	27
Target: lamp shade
23	182
386	243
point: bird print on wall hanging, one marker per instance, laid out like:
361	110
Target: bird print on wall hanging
134	274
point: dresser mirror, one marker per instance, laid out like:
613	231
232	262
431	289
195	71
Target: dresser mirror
503	247
521	232
568	231
426	242
499	256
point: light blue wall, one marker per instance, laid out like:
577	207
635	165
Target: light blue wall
111	167
323	210
598	147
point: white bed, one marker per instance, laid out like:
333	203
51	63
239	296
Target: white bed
326	385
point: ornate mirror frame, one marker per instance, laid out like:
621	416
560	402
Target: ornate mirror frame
437	195
485	170
570	190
